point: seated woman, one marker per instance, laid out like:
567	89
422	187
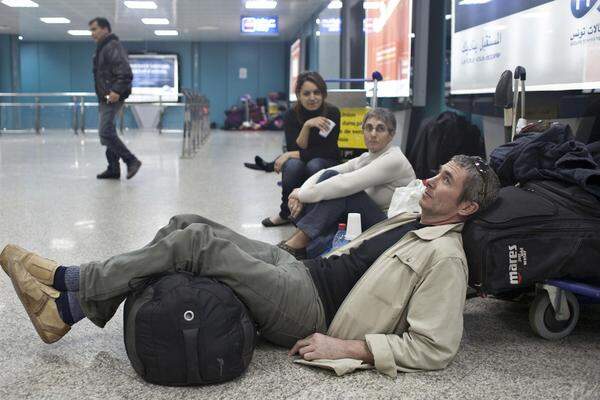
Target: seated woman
306	125
363	185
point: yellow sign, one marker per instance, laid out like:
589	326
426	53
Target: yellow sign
351	135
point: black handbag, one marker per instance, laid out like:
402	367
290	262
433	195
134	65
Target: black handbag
182	330
543	230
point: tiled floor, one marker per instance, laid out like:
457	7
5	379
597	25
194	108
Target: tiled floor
51	202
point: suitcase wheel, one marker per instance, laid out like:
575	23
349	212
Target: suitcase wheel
542	317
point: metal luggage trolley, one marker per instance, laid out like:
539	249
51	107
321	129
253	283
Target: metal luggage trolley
196	125
554	312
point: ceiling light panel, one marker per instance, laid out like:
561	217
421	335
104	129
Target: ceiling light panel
155	21
141	5
55	20
79	32
20	3
166	32
261	4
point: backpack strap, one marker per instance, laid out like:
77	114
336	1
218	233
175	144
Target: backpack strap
190	337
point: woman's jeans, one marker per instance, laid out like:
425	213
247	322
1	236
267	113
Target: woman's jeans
294	173
319	221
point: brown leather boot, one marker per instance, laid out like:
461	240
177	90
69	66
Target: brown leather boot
41	268
39	302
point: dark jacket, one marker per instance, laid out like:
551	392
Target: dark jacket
554	155
440	138
318	146
111	69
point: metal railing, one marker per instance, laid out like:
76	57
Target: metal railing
78	107
196	127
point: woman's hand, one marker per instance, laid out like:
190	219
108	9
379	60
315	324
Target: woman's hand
280	161
321	123
294	204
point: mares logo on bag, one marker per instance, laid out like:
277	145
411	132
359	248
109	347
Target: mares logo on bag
580	8
517	260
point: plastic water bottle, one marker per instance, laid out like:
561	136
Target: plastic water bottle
340	237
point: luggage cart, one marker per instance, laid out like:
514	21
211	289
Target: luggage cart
554	312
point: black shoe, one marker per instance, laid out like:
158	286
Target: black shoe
133	167
108	174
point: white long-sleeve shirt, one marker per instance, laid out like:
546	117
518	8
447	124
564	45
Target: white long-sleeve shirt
378	174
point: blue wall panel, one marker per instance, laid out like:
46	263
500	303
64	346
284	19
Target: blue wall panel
213	78
67	66
242	55
272	68
5	64
30	74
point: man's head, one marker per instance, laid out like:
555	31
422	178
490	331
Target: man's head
100	28
463	186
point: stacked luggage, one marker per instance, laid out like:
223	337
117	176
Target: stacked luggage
542	236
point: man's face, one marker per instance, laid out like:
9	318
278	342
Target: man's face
98	33
440	202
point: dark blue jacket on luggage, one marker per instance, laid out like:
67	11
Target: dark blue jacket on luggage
554	155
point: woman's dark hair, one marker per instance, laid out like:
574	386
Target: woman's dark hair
313	77
102	23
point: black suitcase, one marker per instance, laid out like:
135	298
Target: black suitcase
543	230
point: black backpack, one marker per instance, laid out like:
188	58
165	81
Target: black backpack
187	330
543	230
440	138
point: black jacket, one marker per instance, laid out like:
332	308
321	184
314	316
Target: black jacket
552	155
318	146
440	138
111	69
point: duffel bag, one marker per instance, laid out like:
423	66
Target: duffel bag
187	330
543	230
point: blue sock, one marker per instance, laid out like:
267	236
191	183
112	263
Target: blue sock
69	308
66	279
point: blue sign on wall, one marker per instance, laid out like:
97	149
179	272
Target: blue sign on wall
259	25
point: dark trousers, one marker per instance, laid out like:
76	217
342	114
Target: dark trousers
319	221
294	173
107	130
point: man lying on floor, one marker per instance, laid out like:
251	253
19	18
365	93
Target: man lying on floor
392	298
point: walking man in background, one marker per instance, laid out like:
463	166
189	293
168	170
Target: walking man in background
112	77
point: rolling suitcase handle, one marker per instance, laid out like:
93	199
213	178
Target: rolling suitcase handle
519	76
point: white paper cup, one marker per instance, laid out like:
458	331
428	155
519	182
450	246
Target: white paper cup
327	132
353	227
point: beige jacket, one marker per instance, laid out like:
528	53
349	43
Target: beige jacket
408	306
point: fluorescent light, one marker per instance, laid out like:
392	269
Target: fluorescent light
20	3
141	5
155	21
372	5
55	20
335	5
166	32
79	32
471	2
261	4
